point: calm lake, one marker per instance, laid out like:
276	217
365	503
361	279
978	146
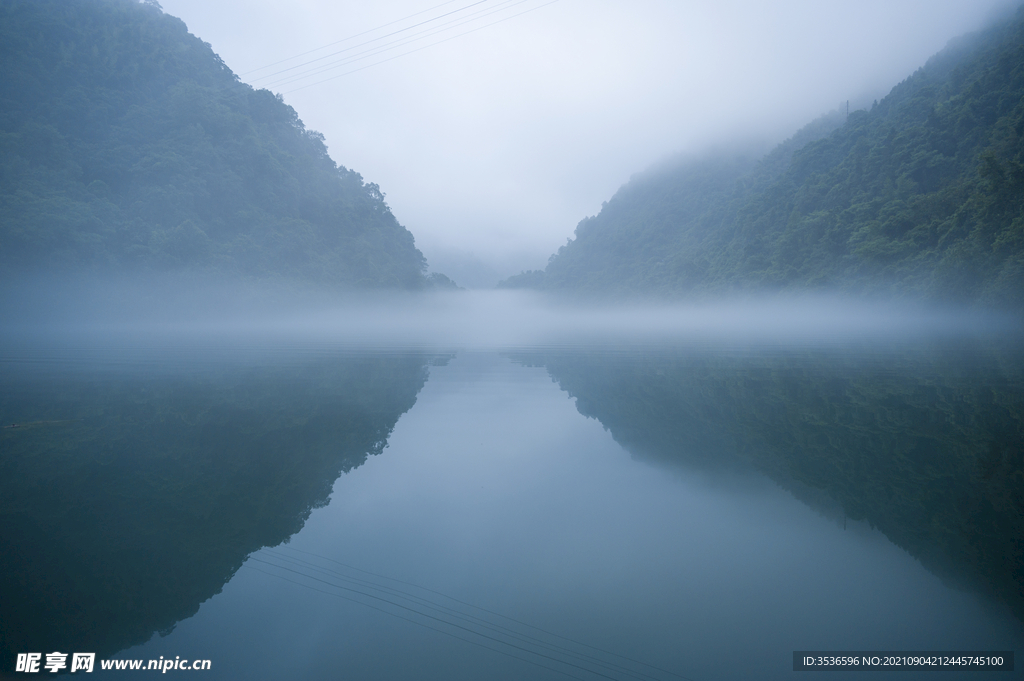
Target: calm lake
690	509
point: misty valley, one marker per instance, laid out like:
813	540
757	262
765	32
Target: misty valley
767	398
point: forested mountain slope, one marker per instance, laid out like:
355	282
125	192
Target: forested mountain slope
126	144
920	196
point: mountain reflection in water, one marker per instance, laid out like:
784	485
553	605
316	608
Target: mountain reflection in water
131	492
924	443
190	495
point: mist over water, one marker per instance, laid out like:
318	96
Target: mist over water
692	489
176	312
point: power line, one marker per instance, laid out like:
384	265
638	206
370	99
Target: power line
388	46
455	23
441	620
336	42
469	605
401	30
383	61
468	618
421	624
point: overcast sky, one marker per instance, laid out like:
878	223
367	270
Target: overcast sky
494	144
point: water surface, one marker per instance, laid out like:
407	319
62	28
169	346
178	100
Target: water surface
604	511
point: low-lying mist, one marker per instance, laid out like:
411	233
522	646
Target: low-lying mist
172	311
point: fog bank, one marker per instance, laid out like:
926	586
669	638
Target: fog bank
174	312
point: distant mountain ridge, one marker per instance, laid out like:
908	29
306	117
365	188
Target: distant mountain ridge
921	196
127	144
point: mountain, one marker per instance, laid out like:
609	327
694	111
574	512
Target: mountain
922	196
127	145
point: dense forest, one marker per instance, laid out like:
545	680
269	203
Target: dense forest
921	196
127	145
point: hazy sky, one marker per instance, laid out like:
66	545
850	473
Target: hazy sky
494	144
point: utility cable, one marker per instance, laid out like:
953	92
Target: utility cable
491	612
380	49
421	624
401	30
486	624
438	619
383	61
338	42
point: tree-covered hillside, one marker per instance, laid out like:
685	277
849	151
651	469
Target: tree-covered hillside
920	196
126	144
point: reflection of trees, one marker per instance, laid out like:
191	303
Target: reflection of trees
927	446
125	502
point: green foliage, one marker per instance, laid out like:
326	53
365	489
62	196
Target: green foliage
126	143
527	279
436	280
922	196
